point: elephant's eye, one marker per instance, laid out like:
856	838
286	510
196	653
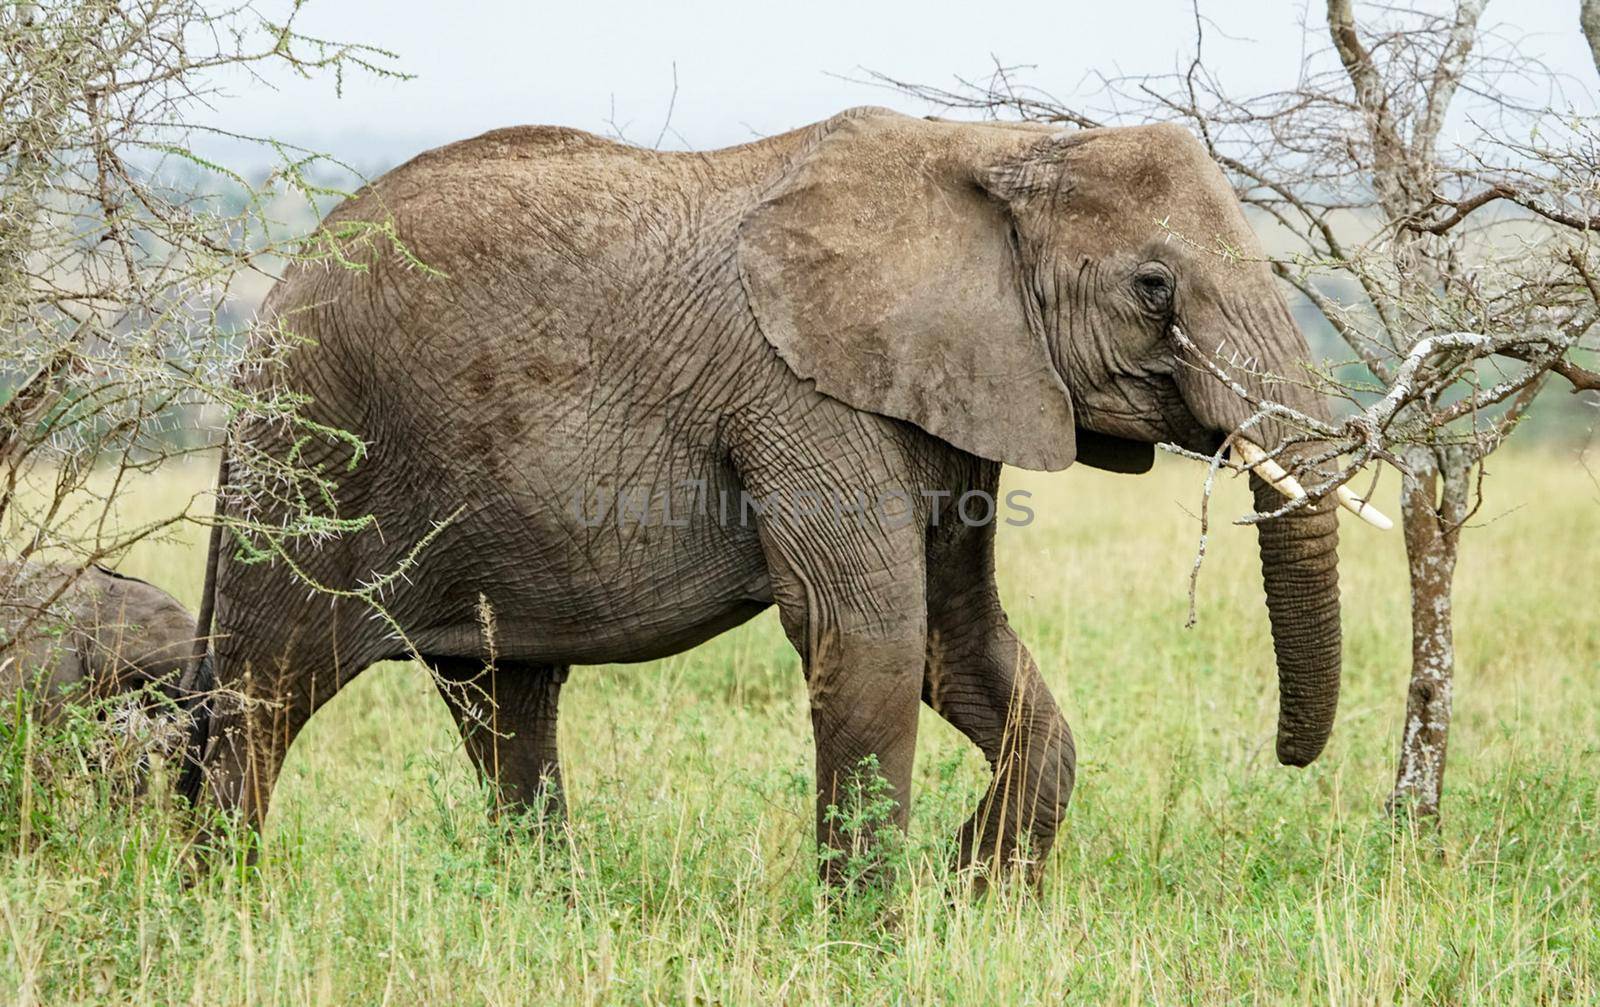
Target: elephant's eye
1154	285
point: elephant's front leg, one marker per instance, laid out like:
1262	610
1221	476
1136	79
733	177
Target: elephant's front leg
849	590
983	681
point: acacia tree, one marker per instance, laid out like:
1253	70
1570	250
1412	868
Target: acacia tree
121	250
1460	268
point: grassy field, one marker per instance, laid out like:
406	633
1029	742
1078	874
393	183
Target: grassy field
1192	868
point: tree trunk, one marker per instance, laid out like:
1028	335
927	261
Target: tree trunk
1589	22
1432	530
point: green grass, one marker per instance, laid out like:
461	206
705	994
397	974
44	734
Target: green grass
1191	869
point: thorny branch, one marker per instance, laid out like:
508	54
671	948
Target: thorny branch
123	342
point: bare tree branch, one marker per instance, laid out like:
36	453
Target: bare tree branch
1447	76
1463	208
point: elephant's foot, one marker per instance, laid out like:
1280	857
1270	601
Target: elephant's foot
986	685
985	854
225	820
530	813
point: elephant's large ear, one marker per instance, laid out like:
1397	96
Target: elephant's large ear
882	269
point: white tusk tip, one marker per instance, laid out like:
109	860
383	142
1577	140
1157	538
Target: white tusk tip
1363	510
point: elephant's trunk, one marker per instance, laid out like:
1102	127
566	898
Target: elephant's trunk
1256	341
1300	569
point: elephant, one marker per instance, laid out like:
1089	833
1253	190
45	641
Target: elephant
122	635
550	334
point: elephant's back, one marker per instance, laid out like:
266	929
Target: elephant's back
551	240
546	238
526	201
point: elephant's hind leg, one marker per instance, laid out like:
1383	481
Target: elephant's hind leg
271	679
507	718
983	681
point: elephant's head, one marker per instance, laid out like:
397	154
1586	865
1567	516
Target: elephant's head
118	635
1014	291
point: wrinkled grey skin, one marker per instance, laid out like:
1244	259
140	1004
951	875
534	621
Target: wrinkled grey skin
126	634
874	304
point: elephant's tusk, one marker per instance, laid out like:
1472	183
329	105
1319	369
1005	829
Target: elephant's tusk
1363	510
1256	457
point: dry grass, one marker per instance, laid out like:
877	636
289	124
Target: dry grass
1192	869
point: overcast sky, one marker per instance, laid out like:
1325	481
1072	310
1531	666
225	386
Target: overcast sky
746	67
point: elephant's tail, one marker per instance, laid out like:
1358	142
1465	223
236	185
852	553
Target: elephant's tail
200	679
